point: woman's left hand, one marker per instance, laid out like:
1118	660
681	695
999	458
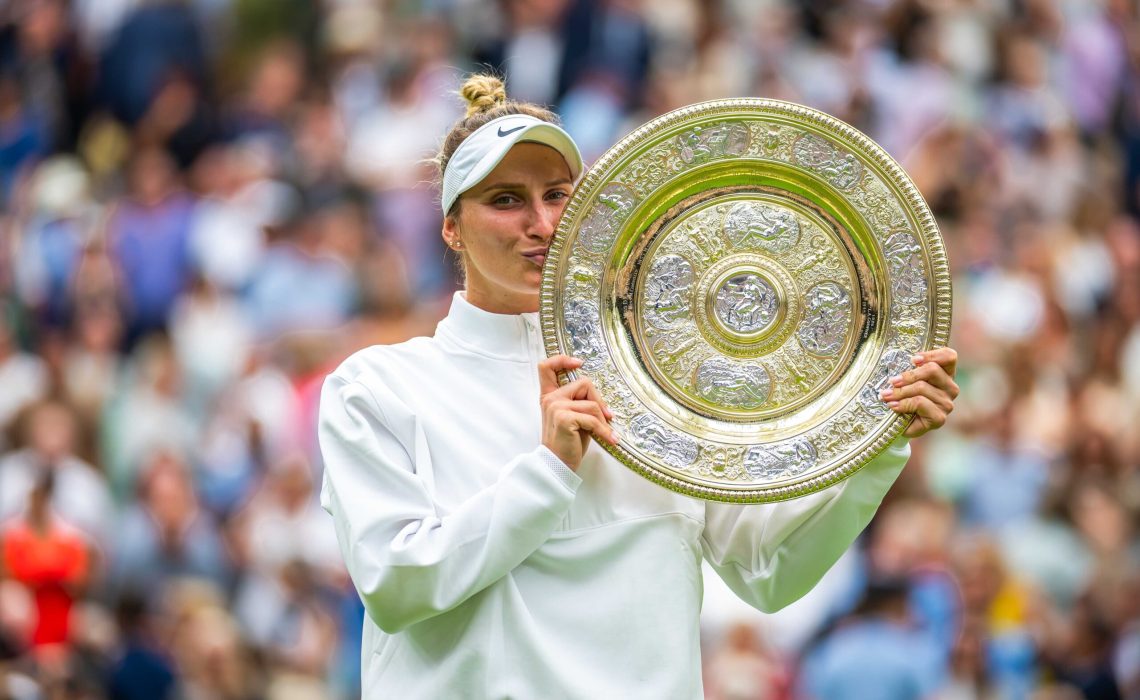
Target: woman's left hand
928	391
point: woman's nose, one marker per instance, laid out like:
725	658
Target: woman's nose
544	219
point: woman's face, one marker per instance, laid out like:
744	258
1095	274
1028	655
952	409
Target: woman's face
505	224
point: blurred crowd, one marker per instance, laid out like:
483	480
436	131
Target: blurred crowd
206	204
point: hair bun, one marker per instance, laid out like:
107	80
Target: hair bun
483	93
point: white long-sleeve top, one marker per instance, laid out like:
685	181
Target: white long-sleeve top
489	569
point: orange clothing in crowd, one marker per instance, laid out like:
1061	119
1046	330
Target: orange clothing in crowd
48	563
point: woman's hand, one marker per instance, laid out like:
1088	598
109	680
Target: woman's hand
571	413
928	391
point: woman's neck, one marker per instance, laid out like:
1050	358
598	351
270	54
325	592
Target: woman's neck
512	304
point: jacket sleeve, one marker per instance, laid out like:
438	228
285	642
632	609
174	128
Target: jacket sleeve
408	559
772	554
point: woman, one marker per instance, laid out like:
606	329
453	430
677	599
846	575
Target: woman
498	552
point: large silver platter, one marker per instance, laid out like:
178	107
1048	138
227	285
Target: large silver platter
741	278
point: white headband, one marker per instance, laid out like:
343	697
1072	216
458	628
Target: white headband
480	152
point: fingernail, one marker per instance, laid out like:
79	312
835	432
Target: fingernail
918	359
616	439
896	380
893	404
886	393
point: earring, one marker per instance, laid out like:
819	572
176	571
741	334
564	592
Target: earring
457	244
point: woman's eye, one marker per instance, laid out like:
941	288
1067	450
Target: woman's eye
558	194
504	200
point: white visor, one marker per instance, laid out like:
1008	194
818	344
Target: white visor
480	152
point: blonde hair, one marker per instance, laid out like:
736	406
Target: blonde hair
486	98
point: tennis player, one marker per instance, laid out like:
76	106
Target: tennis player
498	551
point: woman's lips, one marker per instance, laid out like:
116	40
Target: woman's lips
537	258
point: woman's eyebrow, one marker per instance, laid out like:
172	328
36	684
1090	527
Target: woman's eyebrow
521	186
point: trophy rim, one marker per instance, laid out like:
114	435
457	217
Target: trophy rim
871	154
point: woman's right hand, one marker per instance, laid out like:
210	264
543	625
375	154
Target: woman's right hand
571	413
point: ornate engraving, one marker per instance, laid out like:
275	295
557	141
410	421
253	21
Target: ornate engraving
839	431
601	226
746	303
694	147
676	354
676	450
838	167
909	321
585	332
702	144
904	260
750	224
668	291
892	363
827	315
651	169
584	274
732	384
773	139
722	462
822	253
879	206
618	198
782	460
705	244
746	306
618	396
599	230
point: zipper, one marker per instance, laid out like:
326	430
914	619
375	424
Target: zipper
533	351
533	340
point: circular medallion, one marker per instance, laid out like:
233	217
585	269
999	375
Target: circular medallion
745	303
740	279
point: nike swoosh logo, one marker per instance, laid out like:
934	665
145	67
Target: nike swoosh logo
508	132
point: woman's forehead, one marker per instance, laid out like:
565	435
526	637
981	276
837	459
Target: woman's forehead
528	163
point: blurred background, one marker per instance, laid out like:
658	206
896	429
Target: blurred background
205	205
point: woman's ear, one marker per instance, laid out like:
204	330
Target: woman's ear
451	232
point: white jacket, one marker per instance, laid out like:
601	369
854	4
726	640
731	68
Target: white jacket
491	570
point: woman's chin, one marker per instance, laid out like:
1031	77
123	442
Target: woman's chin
532	281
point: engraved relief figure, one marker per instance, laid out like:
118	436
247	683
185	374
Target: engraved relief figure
844	171
693	148
791	458
667	291
827	314
601	226
674	353
599	229
839	167
734	139
746	303
723	461
617	201
813	151
772	138
678	451
910	320
892	363
585	334
752	224
702	144
733	384
704	243
904	259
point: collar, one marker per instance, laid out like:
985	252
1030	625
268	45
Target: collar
506	336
